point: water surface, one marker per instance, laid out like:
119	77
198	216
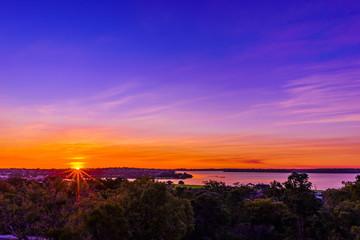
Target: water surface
321	181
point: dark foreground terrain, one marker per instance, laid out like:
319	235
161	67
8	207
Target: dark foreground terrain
148	210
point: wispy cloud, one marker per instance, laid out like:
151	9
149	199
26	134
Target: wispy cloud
115	91
321	98
127	126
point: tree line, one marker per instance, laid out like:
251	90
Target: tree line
145	209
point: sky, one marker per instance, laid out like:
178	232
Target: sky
180	84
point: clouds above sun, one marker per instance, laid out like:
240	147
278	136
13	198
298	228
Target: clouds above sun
180	84
307	122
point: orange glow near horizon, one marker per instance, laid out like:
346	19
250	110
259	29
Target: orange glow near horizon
199	152
227	86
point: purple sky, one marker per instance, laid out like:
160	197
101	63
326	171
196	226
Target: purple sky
159	71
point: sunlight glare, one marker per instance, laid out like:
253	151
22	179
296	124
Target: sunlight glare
77	165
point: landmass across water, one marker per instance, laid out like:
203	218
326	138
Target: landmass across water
131	173
278	170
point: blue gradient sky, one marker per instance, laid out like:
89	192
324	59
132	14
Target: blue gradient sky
180	84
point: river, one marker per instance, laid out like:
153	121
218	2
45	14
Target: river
320	181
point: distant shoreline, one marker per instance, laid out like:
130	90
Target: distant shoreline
314	170
164	173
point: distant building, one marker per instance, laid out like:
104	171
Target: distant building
7	237
11	237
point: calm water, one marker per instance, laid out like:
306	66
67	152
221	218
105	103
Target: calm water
321	181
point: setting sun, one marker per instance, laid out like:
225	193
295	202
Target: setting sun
77	165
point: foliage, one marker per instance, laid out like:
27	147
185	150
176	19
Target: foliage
153	211
106	221
145	209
